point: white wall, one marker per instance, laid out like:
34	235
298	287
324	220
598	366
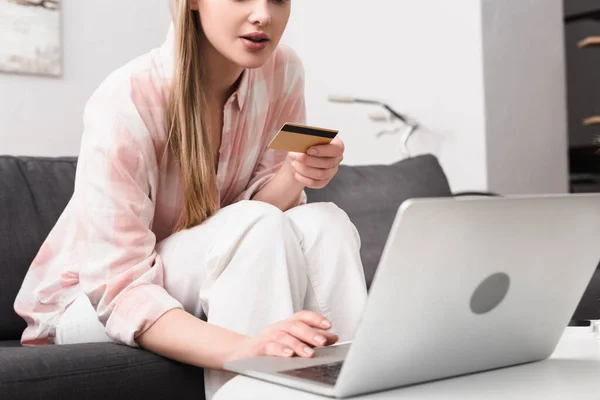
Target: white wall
494	124
440	61
526	128
43	116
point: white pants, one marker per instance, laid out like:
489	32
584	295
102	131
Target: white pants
251	265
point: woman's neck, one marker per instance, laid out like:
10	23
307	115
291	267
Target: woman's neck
223	75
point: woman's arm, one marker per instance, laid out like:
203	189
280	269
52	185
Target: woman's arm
314	171
283	191
180	336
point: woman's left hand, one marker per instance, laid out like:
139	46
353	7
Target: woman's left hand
316	168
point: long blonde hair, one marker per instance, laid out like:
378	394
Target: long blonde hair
188	138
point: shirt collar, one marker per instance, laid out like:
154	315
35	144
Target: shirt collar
167	54
242	91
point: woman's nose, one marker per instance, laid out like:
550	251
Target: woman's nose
260	13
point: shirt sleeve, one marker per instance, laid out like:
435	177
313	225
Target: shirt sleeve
120	270
293	110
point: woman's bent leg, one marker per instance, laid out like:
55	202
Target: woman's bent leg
242	270
331	247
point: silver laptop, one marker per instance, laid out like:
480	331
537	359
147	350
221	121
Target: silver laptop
463	286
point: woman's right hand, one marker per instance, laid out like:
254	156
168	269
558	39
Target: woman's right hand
296	335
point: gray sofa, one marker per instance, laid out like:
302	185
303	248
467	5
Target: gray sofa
33	193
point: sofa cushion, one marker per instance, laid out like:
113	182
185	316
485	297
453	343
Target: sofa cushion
371	195
33	193
93	371
35	190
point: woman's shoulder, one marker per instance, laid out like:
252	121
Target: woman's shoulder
117	91
122	109
131	95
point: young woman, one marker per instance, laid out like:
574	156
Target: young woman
185	235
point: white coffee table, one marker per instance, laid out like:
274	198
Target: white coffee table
572	372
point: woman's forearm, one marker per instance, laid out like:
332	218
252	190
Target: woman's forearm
283	191
181	336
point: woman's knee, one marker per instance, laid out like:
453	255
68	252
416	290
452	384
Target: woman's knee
324	218
328	212
266	219
260	210
221	231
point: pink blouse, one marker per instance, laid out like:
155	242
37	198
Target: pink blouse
128	193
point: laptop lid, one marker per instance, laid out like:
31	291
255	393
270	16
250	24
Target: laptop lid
472	284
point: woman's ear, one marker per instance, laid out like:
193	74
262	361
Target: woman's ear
194	5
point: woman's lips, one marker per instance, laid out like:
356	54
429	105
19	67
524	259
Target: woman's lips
255	43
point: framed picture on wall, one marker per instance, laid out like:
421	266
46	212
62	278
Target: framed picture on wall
30	37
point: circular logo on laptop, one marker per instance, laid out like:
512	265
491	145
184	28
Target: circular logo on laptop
490	293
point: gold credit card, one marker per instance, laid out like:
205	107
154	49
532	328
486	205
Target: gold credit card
299	138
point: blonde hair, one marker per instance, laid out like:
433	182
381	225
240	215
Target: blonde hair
188	138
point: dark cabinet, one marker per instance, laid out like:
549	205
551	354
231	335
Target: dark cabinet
582	54
582	50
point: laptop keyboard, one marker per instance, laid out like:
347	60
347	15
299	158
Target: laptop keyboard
326	373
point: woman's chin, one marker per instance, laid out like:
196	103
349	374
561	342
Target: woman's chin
251	64
253	60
